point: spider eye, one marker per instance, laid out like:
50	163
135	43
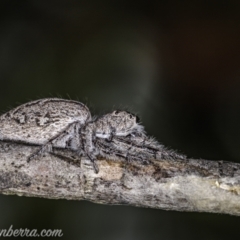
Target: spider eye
130	116
116	112
137	119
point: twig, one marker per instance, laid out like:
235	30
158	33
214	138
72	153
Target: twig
182	185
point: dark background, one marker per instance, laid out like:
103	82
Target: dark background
174	63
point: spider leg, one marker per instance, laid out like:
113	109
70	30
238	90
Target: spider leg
61	138
95	166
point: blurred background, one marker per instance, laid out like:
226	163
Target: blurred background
174	63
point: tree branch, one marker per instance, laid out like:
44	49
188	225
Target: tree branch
182	185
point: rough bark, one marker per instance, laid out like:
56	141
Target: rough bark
182	185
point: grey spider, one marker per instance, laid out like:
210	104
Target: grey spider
54	122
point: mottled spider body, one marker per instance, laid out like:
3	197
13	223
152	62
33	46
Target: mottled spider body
58	123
